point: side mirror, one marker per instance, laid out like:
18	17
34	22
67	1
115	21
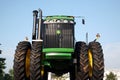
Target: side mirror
83	21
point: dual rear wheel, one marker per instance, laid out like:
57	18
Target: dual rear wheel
90	61
96	61
22	61
37	71
27	61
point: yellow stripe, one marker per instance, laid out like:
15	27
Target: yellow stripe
27	65
90	62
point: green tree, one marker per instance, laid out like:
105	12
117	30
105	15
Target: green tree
7	77
11	73
111	76
2	66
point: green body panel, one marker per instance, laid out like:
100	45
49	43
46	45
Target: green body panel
58	53
60	17
51	54
58	50
46	63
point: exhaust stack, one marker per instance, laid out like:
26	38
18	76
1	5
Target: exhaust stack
35	15
37	24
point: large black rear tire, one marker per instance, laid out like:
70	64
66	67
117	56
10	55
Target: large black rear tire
23	49
35	63
82	61
98	61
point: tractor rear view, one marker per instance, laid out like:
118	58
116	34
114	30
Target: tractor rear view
53	49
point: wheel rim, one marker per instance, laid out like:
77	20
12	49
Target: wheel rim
90	62
27	64
42	71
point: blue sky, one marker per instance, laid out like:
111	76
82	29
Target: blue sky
102	16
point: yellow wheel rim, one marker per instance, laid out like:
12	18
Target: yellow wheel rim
27	64
90	62
42	71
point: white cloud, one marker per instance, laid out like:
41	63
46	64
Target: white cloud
112	55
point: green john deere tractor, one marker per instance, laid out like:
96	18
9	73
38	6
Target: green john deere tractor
53	49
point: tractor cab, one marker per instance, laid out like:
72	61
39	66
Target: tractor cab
58	32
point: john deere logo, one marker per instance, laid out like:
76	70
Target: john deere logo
58	32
